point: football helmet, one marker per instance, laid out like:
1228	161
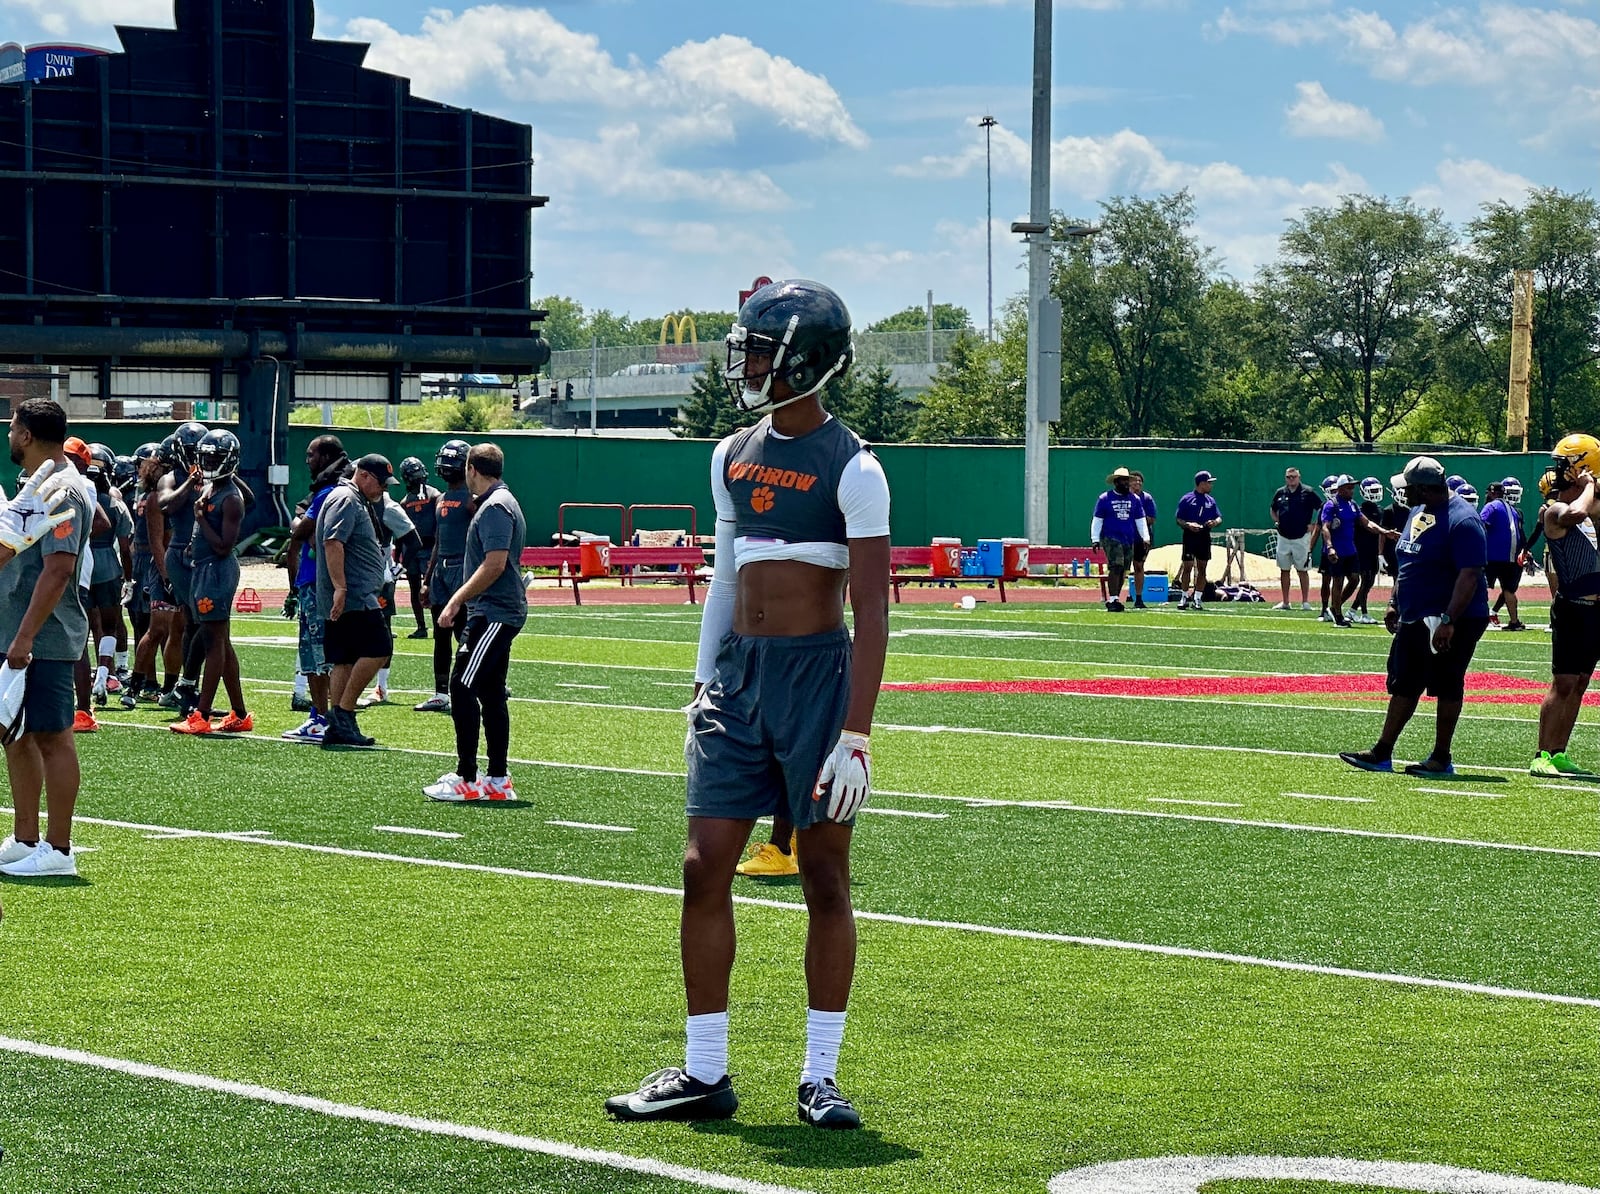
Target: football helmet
188	436
217	454
1575	451
413	471
1469	495
801	330
1548	483
1371	489
451	463
102	462
1329	486
124	472
1512	488
167	451
1454	482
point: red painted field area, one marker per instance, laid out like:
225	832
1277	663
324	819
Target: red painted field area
1491	688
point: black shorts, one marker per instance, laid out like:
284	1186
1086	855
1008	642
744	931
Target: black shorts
415	560
49	700
1141	551
357	634
106	594
1415	669
1505	573
1574	638
1339	566
1196	547
484	658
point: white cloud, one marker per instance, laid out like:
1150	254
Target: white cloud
64	18
1315	113
622	162
1464	185
532	57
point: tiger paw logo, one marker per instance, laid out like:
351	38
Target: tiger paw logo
383	602
762	500
64	531
205	605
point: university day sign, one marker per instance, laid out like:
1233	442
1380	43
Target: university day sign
37	64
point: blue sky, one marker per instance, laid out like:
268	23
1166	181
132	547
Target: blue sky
687	148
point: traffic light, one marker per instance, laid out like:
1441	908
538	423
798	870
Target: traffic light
569	391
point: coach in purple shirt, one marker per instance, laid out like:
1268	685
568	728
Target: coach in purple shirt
1197	515
1118	524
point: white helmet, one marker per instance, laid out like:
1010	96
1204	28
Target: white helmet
1371	489
1512	488
1469	495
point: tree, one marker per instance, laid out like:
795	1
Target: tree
874	408
946	318
565	327
1557	236
1359	288
710	412
1130	297
979	391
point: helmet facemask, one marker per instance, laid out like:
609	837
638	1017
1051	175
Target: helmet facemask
805	372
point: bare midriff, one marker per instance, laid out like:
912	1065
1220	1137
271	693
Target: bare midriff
788	598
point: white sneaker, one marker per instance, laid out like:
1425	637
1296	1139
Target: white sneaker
1305	605
1324	616
452	789
11	850
44	859
1195	604
439	702
310	730
1281	605
498	789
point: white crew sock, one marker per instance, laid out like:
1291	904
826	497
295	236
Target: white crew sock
824	1036
302	687
383	678
706	1058
120	659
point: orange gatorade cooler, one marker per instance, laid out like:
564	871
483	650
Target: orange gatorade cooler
594	555
946	559
1015	566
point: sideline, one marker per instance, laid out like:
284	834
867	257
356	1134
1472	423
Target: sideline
389	1119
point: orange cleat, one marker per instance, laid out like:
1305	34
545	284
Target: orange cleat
196	723
234	724
83	722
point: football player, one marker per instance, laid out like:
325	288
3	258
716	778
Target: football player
1574	569
1502	523
802	506
176	499
148	585
219	512
112	554
421	505
442	577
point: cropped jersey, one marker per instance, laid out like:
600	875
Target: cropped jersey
209	506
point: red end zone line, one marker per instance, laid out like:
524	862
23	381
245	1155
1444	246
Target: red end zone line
1483	687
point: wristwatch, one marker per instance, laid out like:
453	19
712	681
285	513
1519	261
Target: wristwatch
1444	619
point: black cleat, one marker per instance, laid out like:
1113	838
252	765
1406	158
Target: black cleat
822	1106
419	632
672	1094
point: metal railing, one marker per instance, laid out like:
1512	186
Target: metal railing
643	360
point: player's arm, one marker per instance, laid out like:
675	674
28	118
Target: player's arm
484	575
60	569
869	602
1567	515
159	534
333	557
232	520
172	496
716	620
125	550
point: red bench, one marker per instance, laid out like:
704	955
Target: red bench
637	564
901	558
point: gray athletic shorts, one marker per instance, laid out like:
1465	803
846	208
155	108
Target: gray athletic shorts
763	727
445	581
48	700
179	572
214	584
143	567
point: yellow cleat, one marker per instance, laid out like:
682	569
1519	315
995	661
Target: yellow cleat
768	862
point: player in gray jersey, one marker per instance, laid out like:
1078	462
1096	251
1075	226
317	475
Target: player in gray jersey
453	513
421	506
1569	522
112	553
154	638
783	702
219	512
176	498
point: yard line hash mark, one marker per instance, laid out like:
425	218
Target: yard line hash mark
587	825
1314	796
415	832
1202	803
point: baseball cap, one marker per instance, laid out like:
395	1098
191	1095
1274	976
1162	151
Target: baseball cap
378	466
1419	470
1343	479
76	448
1202	475
1121	472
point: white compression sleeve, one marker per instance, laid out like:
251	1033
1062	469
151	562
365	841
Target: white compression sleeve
718	617
1096	525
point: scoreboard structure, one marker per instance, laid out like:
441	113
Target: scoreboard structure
236	199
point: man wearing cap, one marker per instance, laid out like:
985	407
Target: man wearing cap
352	568
1340	521
1437	612
1294	513
1502	526
1118	524
1197	515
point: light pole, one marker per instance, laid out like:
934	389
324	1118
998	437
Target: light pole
1043	401
986	124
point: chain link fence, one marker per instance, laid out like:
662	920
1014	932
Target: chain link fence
642	360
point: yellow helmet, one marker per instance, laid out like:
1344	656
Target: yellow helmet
1577	451
1547	483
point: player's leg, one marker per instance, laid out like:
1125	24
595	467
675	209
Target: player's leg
43	766
775	857
486	674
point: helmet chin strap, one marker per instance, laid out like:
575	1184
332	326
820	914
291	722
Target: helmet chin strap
766	387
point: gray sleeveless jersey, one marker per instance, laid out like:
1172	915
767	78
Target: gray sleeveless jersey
1577	564
788	489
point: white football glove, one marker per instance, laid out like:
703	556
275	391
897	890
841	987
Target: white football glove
13	685
845	779
37	503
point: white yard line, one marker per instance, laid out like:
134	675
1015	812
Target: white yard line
1060	805
905	812
439	833
1171	951
1205	803
390	1119
593	687
1313	796
1463	792
587	825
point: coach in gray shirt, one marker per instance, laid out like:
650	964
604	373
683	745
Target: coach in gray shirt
495	605
351	572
